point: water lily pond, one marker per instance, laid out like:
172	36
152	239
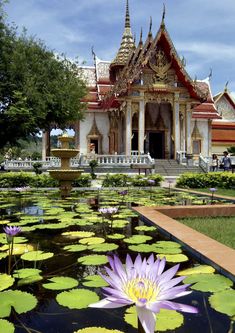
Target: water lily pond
63	245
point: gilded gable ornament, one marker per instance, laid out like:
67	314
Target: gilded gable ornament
161	66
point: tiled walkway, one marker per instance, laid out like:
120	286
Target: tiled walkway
204	248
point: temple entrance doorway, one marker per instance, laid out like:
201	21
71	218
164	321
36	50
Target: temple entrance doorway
156	144
95	145
134	141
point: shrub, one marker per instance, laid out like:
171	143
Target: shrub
210	179
121	180
82	181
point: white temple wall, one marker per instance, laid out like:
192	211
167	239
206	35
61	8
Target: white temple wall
102	122
203	128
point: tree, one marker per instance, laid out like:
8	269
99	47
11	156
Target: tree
37	88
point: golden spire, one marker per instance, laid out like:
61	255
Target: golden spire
127	43
163	16
150	27
127	20
141	37
226	86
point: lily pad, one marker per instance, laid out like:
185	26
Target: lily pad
167	250
145	228
3	255
105	247
21	301
165	244
29	280
94	281
61	283
95	259
174	257
116	236
92	240
78	234
208	282
137	239
166	319
6	281
142	248
97	330
37	255
200	269
26	272
22	248
77	298
6	326
75	248
224	302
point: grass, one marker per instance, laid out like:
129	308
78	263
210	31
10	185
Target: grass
221	229
220	191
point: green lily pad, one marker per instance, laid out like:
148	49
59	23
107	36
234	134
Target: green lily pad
6	281
92	240
119	224
6	326
22	248
166	319
208	282
25	272
167	250
105	247
75	248
3	255
21	301
78	234
116	236
77	298
142	248
37	255
94	281
29	280
145	228
224	302
167	244
137	239
200	269
97	330
61	283
95	259
173	257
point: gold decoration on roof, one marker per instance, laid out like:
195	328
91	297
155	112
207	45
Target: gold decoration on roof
195	133
162	65
94	129
127	43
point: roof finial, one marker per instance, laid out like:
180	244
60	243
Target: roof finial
141	36
163	16
226	86
150	27
210	74
127	20
93	53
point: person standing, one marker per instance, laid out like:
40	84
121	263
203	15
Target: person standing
226	161
214	162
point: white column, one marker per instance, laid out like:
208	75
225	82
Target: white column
209	137
188	129
176	123
44	145
141	127
128	128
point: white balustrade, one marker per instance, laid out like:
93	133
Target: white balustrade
82	160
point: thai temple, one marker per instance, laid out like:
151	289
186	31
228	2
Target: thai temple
144	101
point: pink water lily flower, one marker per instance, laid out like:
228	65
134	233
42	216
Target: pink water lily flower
144	284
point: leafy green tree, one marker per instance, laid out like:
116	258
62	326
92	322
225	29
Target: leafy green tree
37	87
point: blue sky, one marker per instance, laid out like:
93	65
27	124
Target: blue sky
202	30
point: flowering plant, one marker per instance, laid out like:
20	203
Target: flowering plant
144	284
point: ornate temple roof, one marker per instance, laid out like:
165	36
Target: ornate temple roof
127	42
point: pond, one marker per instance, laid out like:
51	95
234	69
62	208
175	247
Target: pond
64	245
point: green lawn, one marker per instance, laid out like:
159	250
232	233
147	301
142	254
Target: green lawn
220	191
221	229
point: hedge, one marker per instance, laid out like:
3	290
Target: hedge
122	180
206	180
21	179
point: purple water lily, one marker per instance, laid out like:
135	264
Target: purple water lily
124	192
22	189
144	284
213	189
12	231
108	211
151	182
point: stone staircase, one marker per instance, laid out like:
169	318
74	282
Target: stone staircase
173	168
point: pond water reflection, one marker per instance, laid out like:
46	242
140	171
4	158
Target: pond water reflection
72	229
